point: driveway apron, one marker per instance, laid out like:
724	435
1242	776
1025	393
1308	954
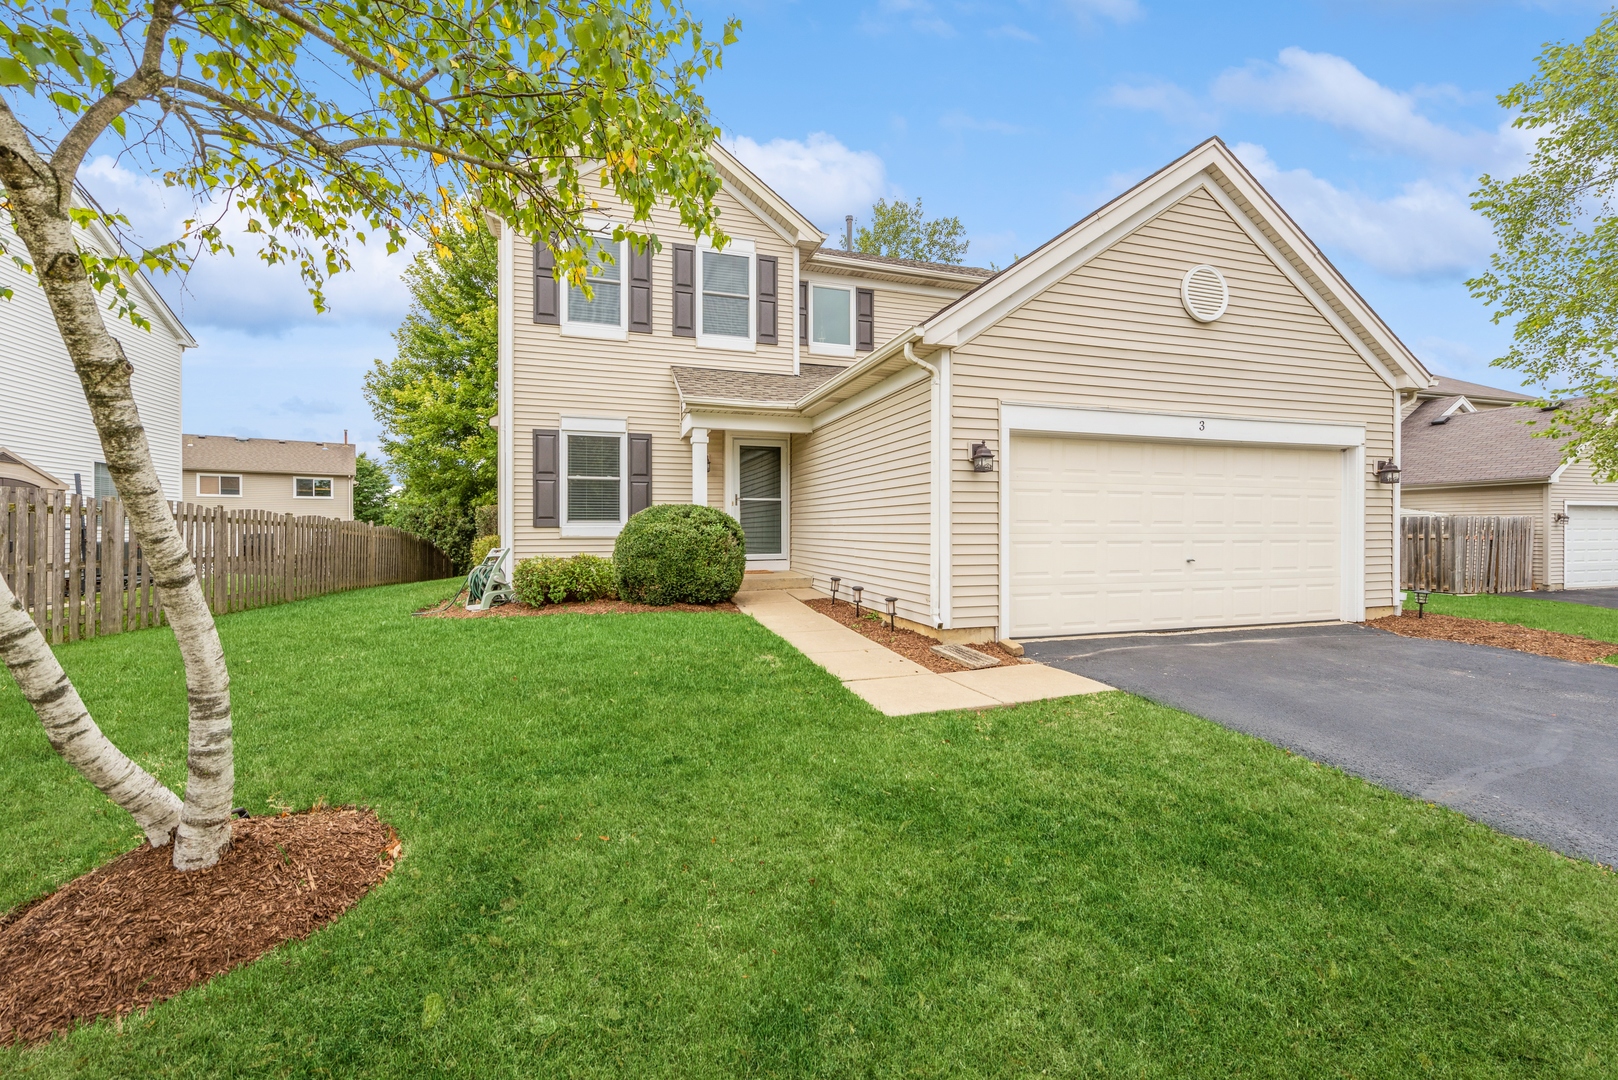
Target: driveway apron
1525	743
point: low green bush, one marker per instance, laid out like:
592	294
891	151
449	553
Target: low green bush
680	554
482	545
553	579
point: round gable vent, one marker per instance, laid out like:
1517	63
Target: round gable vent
1204	293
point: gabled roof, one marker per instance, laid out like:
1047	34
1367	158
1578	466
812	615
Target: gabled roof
226	453
1444	386
1213	168
151	302
1489	446
948	275
743	183
18	470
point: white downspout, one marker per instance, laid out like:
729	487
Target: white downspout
940	459
504	361
796	314
1398	506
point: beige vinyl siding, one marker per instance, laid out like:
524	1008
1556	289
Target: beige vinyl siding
1504	500
1113	334
862	501
272	492
1576	485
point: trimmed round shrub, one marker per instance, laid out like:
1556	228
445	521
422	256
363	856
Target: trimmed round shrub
482	545
552	579
680	554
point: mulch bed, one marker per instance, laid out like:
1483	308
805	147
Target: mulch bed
907	643
593	607
1500	635
137	931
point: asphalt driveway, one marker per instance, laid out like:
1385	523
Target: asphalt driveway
1607	598
1523	742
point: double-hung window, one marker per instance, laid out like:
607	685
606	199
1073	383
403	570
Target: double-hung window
603	312
831	320
311	487
595	495
225	484
725	309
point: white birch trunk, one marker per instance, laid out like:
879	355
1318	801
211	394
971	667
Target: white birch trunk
40	201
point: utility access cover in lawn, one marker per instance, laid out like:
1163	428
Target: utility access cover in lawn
1525	743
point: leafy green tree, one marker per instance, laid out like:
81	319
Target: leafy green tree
373	490
319	122
1556	270
900	230
435	398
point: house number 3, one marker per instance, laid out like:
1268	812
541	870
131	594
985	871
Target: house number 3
1202	425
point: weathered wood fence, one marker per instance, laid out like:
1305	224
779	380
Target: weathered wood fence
76	565
1467	553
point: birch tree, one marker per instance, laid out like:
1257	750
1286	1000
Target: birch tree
317	124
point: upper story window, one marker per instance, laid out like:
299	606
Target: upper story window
309	487
725	309
831	320
225	484
603	313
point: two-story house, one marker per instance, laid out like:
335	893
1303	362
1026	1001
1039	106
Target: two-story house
1176	413
279	476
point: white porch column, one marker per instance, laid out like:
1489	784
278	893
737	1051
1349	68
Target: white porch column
699	466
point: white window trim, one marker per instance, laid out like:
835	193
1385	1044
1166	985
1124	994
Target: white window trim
239	486
594	425
330	479
821	348
724	341
733	475
597	330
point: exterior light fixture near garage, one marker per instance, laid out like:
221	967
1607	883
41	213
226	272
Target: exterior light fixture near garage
1387	472
982	457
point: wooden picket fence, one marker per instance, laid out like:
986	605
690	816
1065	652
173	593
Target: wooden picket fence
75	563
1467	553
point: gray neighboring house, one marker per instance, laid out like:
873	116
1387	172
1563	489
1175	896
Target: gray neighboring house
1470	449
282	476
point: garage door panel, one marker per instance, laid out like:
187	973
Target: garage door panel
1145	535
1590	555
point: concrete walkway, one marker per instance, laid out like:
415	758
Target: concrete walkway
894	684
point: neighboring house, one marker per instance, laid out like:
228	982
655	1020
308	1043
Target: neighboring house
1462	456
282	476
1478	396
19	472
1170	415
43	416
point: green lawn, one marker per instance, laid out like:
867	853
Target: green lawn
668	846
1563	616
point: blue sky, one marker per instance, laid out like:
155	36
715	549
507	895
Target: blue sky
1369	121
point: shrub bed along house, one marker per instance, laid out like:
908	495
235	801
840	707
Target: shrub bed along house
553	579
680	554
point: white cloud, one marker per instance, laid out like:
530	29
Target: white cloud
956	122
1167	99
918	14
820	176
1332	90
241	292
1116	10
1427	229
1015	32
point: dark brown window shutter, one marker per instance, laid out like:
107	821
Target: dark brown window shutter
547	503
547	297
803	313
640	290
864	320
640	473
685	290
768	299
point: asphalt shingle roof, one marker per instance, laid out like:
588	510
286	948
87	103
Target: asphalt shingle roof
1487	445
722	384
225	453
862	256
1448	387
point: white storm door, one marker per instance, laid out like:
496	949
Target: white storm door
1113	535
758	497
1591	552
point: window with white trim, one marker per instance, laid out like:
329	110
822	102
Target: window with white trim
228	485
311	487
595	485
604	312
725	306
831	319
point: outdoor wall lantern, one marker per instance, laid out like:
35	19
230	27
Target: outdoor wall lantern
1387	472
835	583
857	590
893	609
982	457
1560	519
1421	602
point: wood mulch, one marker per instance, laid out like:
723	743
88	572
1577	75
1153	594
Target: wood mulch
137	931
592	607
1498	634
907	643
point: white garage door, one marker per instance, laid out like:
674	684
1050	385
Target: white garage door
1592	547
1111	535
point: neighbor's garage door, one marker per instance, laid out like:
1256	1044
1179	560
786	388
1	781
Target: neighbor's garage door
1592	546
1111	535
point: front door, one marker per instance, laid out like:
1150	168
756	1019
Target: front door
758	497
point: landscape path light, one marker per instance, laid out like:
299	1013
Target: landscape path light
835	582
1421	602
893	609
857	590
